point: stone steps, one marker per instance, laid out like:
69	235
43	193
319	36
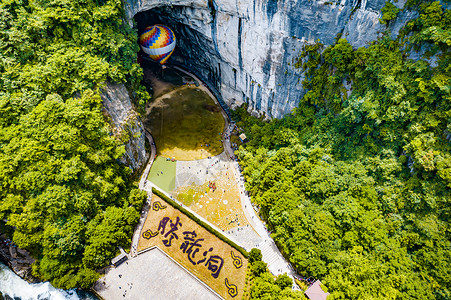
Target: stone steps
269	255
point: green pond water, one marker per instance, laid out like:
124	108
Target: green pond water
185	118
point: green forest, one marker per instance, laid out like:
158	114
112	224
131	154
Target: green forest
355	184
63	195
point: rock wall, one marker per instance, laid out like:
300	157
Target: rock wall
246	49
126	124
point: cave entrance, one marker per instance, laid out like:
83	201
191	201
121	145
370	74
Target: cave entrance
195	51
182	116
156	16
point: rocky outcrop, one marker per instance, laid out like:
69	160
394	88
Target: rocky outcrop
126	124
246	49
18	260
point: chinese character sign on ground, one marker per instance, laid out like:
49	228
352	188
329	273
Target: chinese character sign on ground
213	261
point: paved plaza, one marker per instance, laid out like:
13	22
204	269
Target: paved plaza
152	275
200	171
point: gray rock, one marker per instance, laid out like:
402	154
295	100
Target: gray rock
18	260
245	50
126	124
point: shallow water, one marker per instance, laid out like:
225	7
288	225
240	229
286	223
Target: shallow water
17	288
185	120
188	119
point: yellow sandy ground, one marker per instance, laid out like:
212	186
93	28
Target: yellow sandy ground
181	154
221	207
185	130
232	273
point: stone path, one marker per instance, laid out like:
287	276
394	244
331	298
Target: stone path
153	154
139	226
246	237
277	264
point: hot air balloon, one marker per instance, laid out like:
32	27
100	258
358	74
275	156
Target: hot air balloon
158	41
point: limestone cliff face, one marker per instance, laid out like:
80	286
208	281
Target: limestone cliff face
126	124
246	49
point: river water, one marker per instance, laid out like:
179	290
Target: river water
18	289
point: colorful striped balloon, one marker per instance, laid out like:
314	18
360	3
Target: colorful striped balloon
158	42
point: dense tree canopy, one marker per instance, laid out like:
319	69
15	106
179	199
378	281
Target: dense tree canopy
264	286
63	195
356	184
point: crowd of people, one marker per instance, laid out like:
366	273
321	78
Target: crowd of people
212	185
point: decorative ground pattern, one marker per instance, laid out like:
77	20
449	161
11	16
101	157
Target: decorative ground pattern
214	262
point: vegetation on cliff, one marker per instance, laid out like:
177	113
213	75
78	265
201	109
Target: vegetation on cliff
356	185
63	196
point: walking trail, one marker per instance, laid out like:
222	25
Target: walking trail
142	184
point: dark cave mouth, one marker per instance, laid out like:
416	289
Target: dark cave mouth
158	15
170	16
195	51
189	42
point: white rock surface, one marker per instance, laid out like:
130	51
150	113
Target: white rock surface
245	50
125	121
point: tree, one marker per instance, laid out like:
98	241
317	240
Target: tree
389	12
63	195
284	281
358	195
258	267
255	255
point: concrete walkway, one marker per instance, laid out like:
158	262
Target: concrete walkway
153	154
142	185
277	264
